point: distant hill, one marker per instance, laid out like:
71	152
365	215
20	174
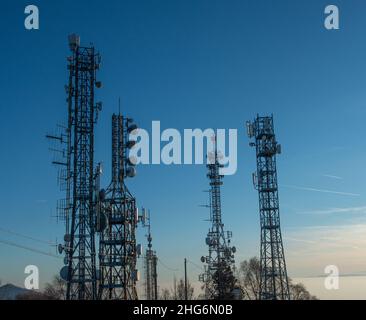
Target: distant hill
10	292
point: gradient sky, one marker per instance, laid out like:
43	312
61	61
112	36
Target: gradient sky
195	64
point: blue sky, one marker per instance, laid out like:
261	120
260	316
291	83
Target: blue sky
195	64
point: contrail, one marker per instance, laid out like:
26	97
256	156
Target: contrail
322	190
361	210
299	240
332	176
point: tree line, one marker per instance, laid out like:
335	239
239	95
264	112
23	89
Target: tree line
247	276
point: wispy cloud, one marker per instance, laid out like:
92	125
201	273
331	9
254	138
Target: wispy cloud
322	190
309	249
349	210
332	176
298	240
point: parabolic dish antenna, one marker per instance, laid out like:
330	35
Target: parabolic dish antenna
64	272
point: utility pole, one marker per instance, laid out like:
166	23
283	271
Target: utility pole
155	276
185	280
175	288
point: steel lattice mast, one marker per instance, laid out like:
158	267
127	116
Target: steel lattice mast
218	278
77	177
150	263
274	283
118	221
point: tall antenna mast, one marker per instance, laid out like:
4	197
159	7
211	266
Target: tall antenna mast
273	275
150	261
118	250
218	278
77	177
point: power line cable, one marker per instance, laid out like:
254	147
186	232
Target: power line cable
196	265
26	236
13	244
166	267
